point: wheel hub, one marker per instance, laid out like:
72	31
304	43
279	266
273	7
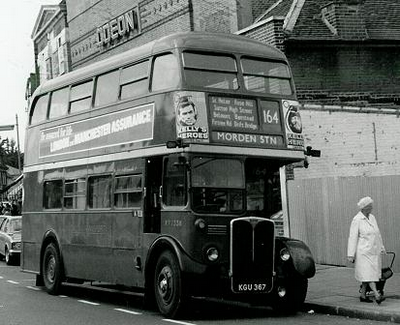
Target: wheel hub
51	266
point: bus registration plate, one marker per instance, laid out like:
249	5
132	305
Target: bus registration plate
251	287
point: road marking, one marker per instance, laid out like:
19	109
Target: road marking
62	296
12	282
89	302
127	311
177	321
33	288
1	277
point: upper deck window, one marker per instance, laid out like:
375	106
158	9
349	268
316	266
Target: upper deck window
59	103
39	111
266	76
81	97
134	80
165	73
210	71
107	88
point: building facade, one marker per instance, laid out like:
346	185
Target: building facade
51	45
99	29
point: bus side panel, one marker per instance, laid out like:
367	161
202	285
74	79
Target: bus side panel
32	233
30	259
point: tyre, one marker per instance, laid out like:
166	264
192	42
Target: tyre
7	256
290	295
52	269
168	285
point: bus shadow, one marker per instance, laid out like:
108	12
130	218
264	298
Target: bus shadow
197	309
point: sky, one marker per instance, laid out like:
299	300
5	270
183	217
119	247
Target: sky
17	20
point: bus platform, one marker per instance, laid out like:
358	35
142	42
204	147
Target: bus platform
333	290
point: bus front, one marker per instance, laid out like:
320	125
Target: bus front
237	125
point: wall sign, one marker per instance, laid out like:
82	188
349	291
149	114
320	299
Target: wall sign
118	27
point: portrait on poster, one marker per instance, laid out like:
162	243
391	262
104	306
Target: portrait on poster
191	116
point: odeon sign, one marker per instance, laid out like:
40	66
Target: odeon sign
118	27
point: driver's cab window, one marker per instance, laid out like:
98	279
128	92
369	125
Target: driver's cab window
174	186
263	192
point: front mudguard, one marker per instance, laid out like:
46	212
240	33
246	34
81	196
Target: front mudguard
300	256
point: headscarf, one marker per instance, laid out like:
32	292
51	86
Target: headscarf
364	202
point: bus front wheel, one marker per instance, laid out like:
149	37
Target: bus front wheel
52	269
290	297
168	285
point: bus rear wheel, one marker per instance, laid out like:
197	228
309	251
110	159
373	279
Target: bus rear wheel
168	285
52	269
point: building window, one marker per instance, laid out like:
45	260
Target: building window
128	191
52	194
75	194
99	192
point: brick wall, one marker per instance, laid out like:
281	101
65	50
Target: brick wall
215	16
157	18
353	75
347	19
353	141
269	31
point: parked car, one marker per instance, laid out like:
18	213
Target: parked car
10	239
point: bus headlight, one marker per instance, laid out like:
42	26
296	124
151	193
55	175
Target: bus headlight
285	255
212	254
200	224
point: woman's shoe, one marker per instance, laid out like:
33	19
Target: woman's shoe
366	299
379	299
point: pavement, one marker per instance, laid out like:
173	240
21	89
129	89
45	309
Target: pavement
334	290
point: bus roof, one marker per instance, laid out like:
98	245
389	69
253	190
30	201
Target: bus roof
218	42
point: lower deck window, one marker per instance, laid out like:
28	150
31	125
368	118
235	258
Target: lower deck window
127	191
99	192
53	194
75	194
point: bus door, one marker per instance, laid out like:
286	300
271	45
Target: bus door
152	203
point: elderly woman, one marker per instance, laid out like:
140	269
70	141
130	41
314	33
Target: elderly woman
365	247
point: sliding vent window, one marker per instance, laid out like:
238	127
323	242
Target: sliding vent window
210	71
134	80
59	103
266	76
128	191
81	97
75	194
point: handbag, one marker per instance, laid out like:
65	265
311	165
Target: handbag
387	272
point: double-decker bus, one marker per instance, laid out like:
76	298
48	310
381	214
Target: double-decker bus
158	169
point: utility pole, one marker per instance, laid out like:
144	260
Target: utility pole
18	148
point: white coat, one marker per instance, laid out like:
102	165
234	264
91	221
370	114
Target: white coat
365	245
